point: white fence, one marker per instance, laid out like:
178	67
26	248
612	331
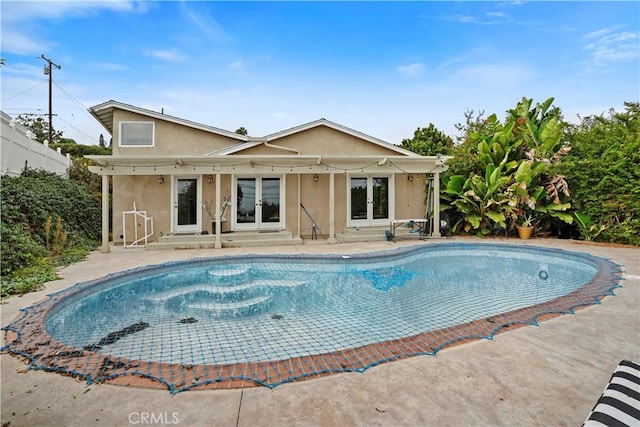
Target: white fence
19	149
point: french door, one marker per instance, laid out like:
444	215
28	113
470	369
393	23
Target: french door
187	199
369	200
259	203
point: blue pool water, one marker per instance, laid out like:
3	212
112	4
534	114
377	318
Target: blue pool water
262	308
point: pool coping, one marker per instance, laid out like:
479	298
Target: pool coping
177	378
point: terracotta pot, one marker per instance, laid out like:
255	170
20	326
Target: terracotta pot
525	232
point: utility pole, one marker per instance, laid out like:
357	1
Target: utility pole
49	71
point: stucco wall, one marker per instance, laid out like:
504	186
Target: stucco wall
155	198
322	140
148	196
170	138
410	196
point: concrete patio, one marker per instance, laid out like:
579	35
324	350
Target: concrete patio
547	375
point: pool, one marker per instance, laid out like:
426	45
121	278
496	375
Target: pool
272	319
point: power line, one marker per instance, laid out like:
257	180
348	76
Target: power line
23	92
81	106
84	108
77	130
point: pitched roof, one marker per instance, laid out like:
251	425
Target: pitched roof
104	114
252	142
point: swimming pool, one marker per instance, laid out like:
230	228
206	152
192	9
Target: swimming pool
273	319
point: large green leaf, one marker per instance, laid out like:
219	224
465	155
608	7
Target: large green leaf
583	220
510	165
483	148
497	217
563	216
550	135
558	207
545	106
498	150
523	107
495	174
488	172
538	193
523	174
474	220
455	184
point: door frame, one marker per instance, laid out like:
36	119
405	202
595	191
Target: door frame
258	224
370	221
175	228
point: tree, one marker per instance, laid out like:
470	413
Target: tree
78	150
241	131
39	126
428	141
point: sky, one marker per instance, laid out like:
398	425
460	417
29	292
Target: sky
381	68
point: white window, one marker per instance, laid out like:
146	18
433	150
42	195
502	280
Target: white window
137	134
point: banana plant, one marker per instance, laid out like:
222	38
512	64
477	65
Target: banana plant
511	177
479	200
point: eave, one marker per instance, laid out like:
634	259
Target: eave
277	164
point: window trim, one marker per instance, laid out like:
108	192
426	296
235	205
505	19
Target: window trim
153	133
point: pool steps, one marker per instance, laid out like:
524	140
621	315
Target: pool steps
225	309
221	290
232	294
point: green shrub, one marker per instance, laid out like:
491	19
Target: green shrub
18	248
37	195
46	221
603	172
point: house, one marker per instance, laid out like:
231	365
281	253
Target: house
204	184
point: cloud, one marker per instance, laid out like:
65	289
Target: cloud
609	45
469	19
21	43
205	23
24	11
411	70
236	66
495	75
167	55
21	31
109	66
597	34
464	19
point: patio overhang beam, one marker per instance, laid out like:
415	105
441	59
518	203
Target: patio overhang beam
242	164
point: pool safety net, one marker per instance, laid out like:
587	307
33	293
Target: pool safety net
232	322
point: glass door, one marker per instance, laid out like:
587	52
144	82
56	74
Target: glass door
246	203
259	203
369	200
187	214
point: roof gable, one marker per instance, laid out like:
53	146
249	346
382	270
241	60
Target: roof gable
272	138
104	114
339	128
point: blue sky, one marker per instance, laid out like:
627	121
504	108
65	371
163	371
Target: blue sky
382	68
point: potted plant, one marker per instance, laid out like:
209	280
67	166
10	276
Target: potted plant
526	225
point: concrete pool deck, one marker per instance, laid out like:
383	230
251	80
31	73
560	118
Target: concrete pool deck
546	375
